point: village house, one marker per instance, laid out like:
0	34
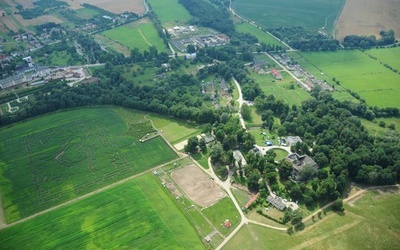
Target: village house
299	162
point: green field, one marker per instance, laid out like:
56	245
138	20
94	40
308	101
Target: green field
174	130
375	130
286	89
139	35
388	56
372	223
221	211
138	214
358	72
55	158
86	13
262	36
255	119
170	12
310	14
280	154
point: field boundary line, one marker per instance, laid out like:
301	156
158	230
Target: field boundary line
85	195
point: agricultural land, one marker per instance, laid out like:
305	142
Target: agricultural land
368	18
170	12
70	154
313	15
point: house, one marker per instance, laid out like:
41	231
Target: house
191	56
299	162
276	74
239	157
277	202
207	138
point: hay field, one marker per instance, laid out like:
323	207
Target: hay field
139	214
38	20
170	12
115	6
58	157
9	22
368	17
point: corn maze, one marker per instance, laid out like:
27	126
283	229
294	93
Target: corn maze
70	159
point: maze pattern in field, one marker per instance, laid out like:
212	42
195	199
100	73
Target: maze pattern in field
71	159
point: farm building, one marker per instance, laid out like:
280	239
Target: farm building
291	140
299	162
276	74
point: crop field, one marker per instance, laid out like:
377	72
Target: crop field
221	211
139	35
55	158
138	214
174	130
368	18
371	223
115	6
356	71
170	12
310	14
262	36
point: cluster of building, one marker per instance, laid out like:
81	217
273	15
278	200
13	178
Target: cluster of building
307	78
37	75
207	40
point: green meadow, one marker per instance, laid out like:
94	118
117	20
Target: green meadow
358	72
310	14
170	11
139	35
54	158
372	222
221	211
262	36
138	214
388	56
86	13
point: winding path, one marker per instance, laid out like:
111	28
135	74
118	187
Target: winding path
240	101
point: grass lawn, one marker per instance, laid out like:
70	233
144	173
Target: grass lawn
242	197
170	11
139	35
142	75
255	120
280	154
260	139
372	223
139	214
358	72
221	211
310	14
174	130
262	36
202	159
60	156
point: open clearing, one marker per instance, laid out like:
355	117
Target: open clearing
262	36
38	20
355	70
55	158
310	14
170	12
373	222
139	35
197	185
368	17
138	214
115	6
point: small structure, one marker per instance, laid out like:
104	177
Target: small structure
239	157
276	202
299	162
191	56
227	224
252	199
276	74
208	138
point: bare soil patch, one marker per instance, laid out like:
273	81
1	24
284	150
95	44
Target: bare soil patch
197	185
368	17
37	21
115	6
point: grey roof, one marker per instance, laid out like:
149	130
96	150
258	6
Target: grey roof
276	202
299	161
291	140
